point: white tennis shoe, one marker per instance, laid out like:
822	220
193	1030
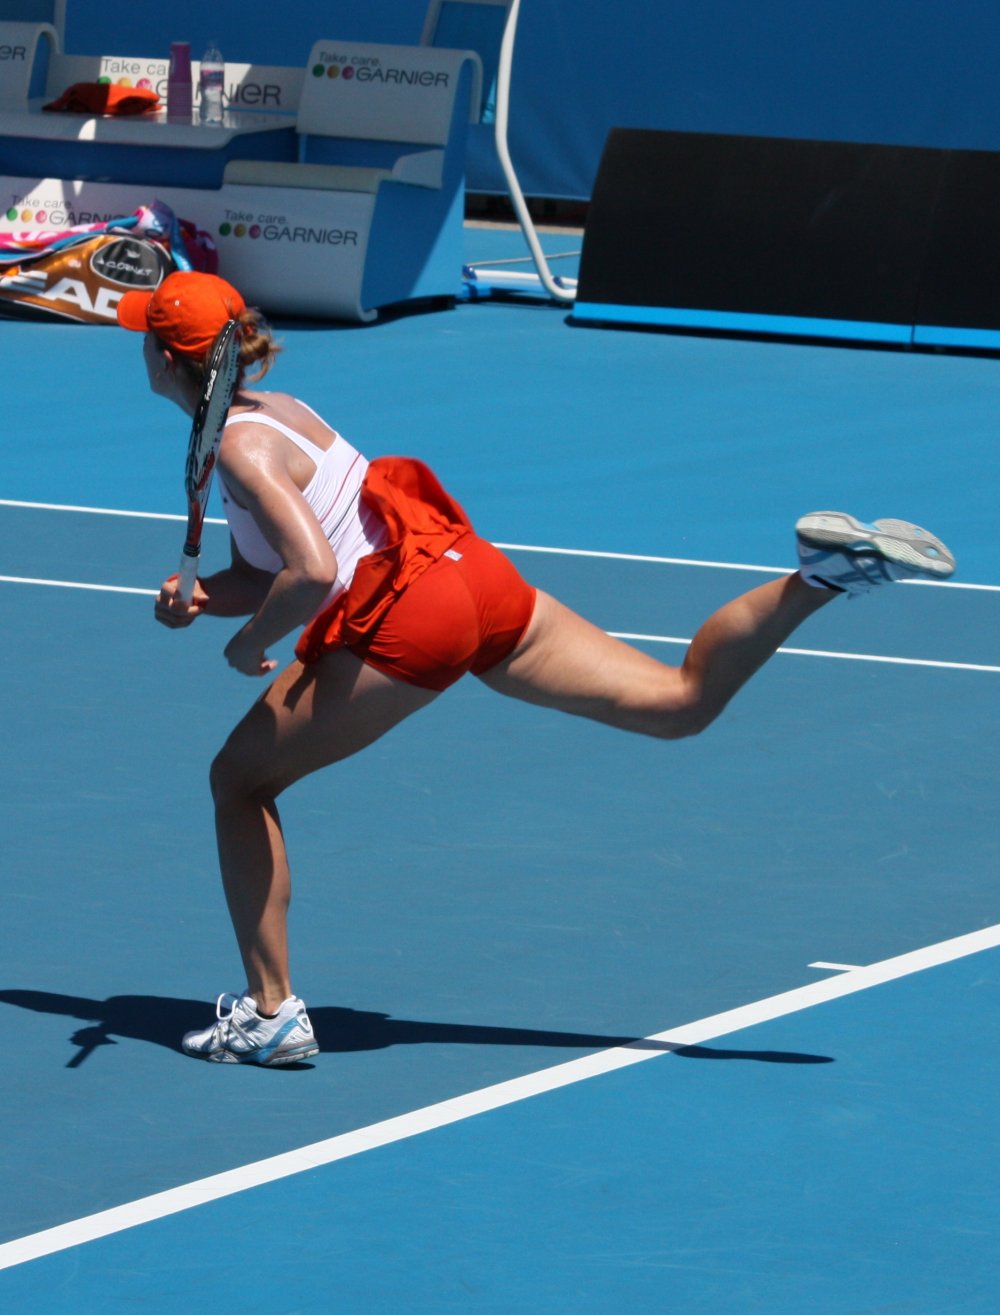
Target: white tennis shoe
243	1036
838	552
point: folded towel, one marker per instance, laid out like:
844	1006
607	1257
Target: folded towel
104	98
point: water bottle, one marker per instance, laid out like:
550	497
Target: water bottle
179	83
213	77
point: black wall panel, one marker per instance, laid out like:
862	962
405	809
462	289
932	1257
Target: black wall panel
792	236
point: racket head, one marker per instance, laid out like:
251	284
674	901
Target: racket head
222	373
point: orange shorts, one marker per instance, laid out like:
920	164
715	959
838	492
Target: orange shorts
465	613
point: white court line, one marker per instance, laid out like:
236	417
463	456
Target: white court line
820	652
76	584
616	634
899	661
177	1199
101	511
718	566
508	547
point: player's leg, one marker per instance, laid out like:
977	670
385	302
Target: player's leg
309	717
565	662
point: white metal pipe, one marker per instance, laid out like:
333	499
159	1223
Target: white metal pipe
554	289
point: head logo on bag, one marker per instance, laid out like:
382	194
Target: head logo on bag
131	263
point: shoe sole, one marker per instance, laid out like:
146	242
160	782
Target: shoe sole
906	545
229	1057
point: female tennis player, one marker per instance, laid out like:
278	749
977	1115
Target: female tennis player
396	597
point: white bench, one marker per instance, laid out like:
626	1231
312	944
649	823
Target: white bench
382	136
369	215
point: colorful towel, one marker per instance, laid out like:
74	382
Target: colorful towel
190	247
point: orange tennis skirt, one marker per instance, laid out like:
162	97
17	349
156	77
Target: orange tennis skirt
465	613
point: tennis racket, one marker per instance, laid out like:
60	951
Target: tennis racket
221	376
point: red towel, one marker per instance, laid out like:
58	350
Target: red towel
423	522
104	98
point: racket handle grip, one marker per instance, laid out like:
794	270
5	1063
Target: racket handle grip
188	575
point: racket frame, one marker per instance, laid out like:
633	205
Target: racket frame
221	377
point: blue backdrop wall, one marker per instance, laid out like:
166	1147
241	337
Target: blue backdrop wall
887	71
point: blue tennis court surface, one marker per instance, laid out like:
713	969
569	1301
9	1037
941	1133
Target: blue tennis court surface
820	1162
494	892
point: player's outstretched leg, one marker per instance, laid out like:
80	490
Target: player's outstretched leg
565	662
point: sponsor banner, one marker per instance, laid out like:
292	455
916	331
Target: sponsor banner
263	87
388	93
24	205
247	86
144	74
292	251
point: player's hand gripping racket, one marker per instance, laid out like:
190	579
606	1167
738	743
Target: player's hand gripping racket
221	376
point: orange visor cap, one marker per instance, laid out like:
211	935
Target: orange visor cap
186	311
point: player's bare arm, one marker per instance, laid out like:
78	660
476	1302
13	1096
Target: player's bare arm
258	479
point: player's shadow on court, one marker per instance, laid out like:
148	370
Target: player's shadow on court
162	1021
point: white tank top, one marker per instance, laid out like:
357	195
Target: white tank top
333	493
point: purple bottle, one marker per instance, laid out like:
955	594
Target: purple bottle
179	83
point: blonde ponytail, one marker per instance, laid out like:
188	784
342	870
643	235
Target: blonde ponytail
258	348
